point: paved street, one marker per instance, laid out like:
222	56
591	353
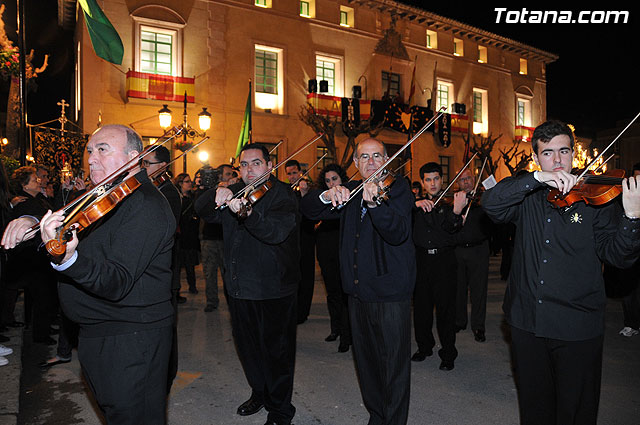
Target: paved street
210	385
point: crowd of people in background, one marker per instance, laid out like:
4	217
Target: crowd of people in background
451	244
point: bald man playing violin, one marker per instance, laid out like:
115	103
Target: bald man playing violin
115	282
378	269
555	298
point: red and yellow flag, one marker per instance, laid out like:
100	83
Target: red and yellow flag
160	87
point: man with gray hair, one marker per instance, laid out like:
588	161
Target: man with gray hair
378	268
116	284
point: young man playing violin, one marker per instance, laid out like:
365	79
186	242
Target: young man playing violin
377	264
116	284
434	226
555	299
261	252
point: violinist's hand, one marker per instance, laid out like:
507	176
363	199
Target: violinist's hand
48	230
223	195
370	191
303	184
237	204
561	180
337	195
79	184
15	231
631	196
459	202
425	205
16	200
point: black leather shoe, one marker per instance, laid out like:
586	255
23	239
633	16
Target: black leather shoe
445	365
343	347
277	423
479	335
419	355
180	299
460	328
250	407
332	337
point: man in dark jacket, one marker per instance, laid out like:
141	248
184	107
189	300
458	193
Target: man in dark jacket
262	273
119	287
555	300
378	273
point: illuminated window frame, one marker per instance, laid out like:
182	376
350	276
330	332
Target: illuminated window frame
432	39
346	17
308	8
482	54
444	95
155	26
523	111
458	47
523	67
262	3
480	112
269	101
336	86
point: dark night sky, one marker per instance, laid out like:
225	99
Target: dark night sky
592	85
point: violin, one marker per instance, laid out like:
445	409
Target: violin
384	182
161	178
594	189
84	216
252	196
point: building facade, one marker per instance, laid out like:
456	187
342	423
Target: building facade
286	54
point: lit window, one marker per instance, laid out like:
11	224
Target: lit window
444	95
523	112
432	39
266	72
269	78
158	46
482	54
263	3
458	47
523	66
329	69
305	9
480	114
346	16
390	84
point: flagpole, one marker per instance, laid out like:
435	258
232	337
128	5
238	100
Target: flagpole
250	109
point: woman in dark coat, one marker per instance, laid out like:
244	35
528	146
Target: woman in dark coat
327	240
187	240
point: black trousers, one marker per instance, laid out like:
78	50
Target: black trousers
337	300
381	334
128	375
265	336
472	276
435	287
558	381
307	273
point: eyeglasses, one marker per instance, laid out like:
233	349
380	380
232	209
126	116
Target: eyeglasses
146	163
376	157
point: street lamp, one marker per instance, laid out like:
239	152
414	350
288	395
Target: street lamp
3	143
188	133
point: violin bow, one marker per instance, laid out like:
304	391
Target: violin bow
394	156
297	182
454	179
475	189
607	148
